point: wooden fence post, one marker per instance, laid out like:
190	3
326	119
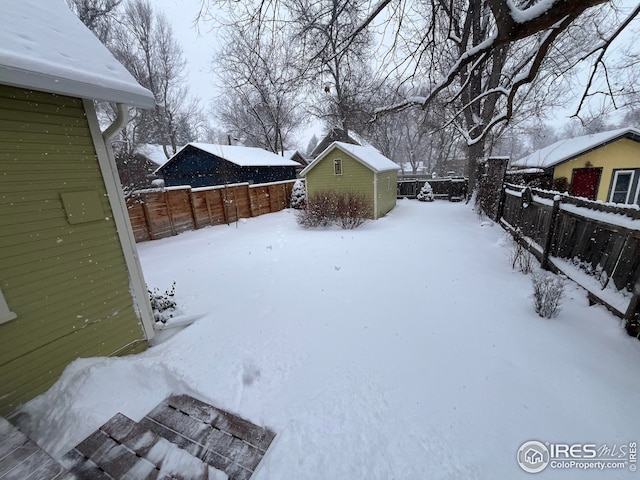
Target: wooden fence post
548	243
208	204
147	220
503	195
634	305
194	214
167	202
225	204
524	203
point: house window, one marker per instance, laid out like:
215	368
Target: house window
337	166
388	184
5	314
621	186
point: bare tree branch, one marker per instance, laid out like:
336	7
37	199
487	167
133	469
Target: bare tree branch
602	48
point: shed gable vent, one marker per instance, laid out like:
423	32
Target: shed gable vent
337	166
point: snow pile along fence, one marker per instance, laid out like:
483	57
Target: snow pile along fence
593	243
161	213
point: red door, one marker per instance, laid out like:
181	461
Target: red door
585	182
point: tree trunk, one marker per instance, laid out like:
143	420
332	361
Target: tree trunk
475	155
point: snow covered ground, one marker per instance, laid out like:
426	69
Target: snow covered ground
406	349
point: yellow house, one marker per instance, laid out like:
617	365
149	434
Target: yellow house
603	166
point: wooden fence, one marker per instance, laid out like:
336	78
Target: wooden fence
453	189
592	243
162	213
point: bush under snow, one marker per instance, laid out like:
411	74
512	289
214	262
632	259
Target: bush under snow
548	290
298	195
426	193
349	210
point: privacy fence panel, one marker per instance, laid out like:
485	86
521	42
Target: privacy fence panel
598	240
208	207
138	220
162	213
260	202
531	219
271	197
180	210
158	215
447	188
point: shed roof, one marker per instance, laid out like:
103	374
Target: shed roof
571	148
368	156
292	154
153	152
241	156
45	47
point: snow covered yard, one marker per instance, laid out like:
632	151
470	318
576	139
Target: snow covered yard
406	349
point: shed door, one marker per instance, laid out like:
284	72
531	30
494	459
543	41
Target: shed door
585	182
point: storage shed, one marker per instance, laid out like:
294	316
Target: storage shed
203	164
344	167
70	280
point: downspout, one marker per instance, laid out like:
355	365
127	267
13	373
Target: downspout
118	124
139	288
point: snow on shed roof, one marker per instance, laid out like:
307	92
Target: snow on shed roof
570	148
368	156
45	47
242	156
153	152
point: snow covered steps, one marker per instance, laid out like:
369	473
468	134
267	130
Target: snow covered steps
121	448
182	438
22	459
224	441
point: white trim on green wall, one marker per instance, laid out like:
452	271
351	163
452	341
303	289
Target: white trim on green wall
121	217
6	314
375	196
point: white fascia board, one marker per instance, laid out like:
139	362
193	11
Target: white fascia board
135	96
375	195
121	218
6	315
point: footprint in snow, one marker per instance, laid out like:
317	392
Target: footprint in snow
250	373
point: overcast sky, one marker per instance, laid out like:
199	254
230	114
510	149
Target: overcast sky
198	45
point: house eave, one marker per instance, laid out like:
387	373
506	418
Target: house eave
626	135
131	95
631	134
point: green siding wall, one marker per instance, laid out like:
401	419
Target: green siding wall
355	177
67	283
387	198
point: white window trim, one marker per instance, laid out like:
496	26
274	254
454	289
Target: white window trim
335	160
615	179
6	315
